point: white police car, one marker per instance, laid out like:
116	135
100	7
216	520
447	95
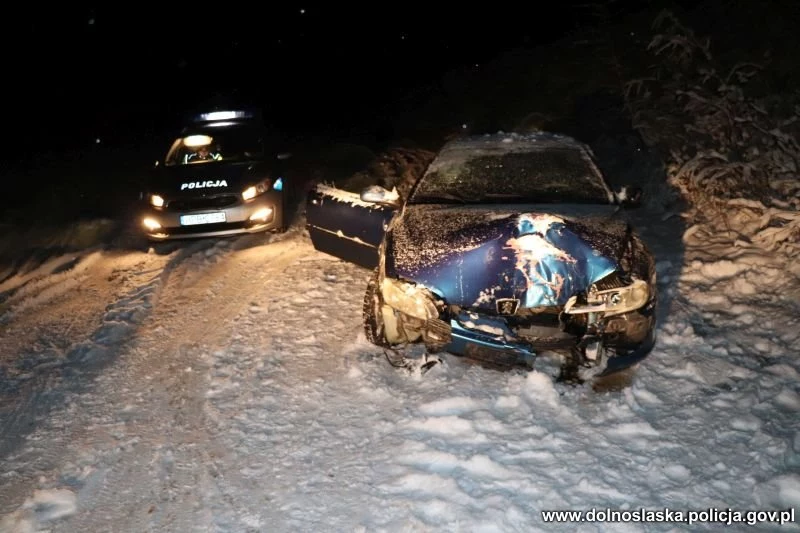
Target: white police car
221	176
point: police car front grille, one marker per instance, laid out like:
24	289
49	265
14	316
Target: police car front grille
208	202
208	228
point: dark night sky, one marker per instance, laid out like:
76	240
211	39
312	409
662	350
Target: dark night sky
81	73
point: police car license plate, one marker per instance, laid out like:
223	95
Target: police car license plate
202	218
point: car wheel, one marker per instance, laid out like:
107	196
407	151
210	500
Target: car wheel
373	316
285	210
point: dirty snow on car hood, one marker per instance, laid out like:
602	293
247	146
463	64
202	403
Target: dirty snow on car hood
540	254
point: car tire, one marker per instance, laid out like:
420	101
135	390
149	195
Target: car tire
372	315
286	204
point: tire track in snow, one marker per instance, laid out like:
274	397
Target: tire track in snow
192	443
288	340
169	458
49	280
41	391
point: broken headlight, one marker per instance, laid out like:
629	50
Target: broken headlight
611	301
409	299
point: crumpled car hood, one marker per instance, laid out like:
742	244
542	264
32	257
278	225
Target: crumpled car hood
472	256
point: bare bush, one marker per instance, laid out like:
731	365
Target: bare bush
733	156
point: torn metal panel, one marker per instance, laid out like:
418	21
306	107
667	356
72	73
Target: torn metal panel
488	347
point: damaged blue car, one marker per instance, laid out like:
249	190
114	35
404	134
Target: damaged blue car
507	247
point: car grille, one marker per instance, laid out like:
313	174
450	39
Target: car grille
612	281
206	202
207	228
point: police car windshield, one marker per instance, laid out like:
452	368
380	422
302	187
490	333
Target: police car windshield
210	145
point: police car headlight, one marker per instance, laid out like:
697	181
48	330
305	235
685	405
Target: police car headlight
151	224
156	200
259	188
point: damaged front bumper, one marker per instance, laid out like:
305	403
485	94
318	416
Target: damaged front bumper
625	347
602	340
488	348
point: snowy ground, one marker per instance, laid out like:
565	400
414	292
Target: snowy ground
225	385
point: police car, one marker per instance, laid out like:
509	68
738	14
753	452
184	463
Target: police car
221	176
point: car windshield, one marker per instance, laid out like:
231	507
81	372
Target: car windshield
551	174
208	145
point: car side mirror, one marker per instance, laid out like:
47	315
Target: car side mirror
629	196
375	194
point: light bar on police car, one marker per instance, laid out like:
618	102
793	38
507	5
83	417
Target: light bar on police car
213	116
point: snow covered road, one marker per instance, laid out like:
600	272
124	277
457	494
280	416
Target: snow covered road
225	385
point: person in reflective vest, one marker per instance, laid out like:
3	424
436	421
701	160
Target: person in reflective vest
202	154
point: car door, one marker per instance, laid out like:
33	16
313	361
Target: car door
341	224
